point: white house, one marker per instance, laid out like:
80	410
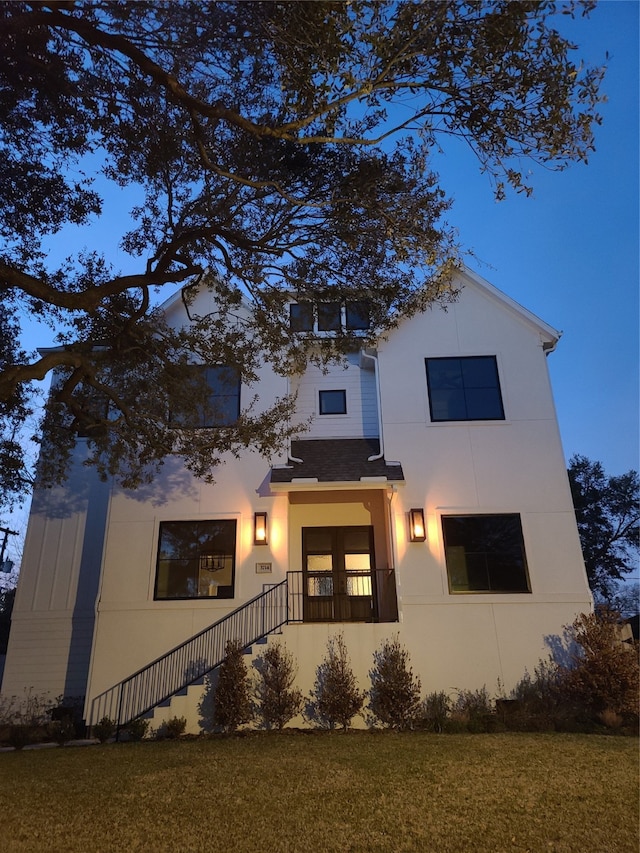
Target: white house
428	499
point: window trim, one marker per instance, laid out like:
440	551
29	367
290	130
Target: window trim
466	420
234	558
460	513
322	391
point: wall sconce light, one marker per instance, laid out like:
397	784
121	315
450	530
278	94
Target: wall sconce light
260	528
417	529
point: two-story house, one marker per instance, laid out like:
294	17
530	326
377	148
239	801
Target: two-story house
428	498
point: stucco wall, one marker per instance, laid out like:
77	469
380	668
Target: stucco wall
88	547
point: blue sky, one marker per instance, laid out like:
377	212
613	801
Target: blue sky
569	254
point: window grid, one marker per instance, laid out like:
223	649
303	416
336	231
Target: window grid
485	554
330	316
464	388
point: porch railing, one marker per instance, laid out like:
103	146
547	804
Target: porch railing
364	597
192	660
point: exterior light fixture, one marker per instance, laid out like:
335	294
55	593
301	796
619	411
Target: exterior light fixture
417	529
260	528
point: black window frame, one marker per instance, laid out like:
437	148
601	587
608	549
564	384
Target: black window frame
330	316
301	316
204	414
472	396
357	315
323	395
496	557
199	562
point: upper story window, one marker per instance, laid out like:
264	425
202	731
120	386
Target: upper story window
216	398
347	316
485	553
464	389
196	559
333	402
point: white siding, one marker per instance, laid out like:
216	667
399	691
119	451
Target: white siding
359	383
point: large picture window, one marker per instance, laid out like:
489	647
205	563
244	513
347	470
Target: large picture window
213	398
464	389
196	559
485	553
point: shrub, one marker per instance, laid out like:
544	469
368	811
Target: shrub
137	729
537	701
173	728
277	700
394	698
605	672
435	711
474	709
19	735
335	698
611	719
232	699
24	719
62	731
105	729
68	710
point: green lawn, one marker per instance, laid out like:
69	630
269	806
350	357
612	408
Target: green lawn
331	792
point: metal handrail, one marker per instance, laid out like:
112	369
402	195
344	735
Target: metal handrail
287	602
190	661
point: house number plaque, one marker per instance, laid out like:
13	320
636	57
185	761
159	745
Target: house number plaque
263	568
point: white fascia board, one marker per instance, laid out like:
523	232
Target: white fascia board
328	486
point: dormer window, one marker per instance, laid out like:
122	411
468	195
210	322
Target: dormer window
301	317
350	316
329	316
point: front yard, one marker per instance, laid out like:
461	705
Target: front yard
357	792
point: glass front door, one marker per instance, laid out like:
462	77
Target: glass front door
337	574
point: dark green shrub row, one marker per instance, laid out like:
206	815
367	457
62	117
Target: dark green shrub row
595	688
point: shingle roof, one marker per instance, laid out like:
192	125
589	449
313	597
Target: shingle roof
336	460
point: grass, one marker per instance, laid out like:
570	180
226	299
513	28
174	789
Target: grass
331	792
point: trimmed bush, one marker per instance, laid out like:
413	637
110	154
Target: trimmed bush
277	700
394	697
232	701
335	698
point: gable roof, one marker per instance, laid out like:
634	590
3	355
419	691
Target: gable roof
549	336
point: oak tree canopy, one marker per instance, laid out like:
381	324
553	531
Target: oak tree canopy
283	150
608	515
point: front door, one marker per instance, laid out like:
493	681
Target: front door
337	568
